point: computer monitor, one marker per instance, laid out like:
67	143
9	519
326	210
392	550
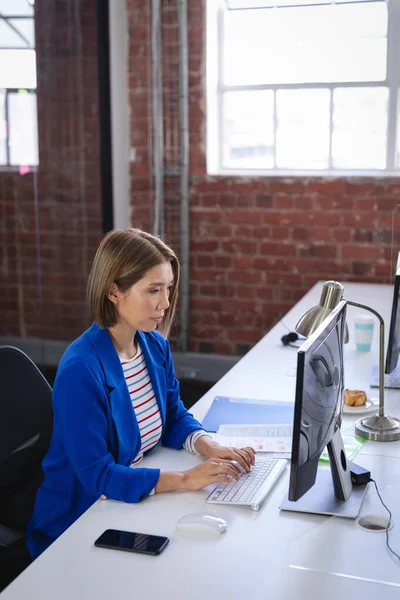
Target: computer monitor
393	348
317	420
318	404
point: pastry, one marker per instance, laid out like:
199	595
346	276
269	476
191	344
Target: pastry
354	397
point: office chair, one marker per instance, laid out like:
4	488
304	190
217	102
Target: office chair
26	423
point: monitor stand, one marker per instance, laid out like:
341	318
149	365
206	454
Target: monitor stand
321	500
332	492
391	380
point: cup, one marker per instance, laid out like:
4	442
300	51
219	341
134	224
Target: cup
363	330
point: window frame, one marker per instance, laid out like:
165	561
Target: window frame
8	166
215	91
16	17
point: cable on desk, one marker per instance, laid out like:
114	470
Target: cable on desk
390	519
290	337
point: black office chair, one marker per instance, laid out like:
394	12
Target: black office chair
26	423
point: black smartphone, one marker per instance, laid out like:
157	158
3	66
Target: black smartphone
132	542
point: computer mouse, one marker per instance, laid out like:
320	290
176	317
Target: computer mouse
201	524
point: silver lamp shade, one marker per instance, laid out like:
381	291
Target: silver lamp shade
331	295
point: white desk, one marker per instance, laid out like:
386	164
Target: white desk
265	554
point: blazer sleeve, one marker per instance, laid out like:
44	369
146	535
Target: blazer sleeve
81	406
179	423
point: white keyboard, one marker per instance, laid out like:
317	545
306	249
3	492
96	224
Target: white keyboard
252	488
391	380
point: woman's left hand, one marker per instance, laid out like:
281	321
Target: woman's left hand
244	456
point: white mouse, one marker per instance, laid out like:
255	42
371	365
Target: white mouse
200	524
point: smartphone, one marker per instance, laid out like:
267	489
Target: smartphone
132	542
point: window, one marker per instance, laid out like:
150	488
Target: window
308	87
18	114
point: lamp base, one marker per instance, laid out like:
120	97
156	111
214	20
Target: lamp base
379	428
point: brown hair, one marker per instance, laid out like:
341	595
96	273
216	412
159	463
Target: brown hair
123	257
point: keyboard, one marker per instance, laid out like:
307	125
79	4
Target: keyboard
391	380
252	488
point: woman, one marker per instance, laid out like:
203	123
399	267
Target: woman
115	396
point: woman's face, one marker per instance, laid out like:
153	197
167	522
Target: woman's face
142	307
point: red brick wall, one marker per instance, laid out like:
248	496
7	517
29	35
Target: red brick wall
257	244
51	220
140	97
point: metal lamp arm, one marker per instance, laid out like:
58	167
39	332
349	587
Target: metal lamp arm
381	353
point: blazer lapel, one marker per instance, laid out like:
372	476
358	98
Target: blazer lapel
125	422
109	360
155	361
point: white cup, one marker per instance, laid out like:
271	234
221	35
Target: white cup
363	330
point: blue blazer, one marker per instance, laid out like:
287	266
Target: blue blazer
96	436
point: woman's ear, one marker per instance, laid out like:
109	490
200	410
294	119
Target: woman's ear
113	293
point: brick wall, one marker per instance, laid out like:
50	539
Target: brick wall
257	244
50	221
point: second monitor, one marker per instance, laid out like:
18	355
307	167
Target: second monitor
392	370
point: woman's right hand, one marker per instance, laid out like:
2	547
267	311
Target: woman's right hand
213	470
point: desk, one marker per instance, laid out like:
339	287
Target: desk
264	554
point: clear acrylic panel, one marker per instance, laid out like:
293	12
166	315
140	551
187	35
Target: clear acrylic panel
302	137
22	123
353	552
16	8
326	43
18	69
293	2
359	128
3	128
248	130
51	213
237	4
397	159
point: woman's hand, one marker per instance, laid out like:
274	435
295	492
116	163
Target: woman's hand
207	447
211	471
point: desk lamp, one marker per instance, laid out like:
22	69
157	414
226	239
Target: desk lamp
379	427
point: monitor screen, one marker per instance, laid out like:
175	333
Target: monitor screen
393	348
319	397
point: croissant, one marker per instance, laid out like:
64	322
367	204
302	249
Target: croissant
354	397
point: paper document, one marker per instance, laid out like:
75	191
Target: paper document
263	438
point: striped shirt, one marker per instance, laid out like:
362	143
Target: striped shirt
146	408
